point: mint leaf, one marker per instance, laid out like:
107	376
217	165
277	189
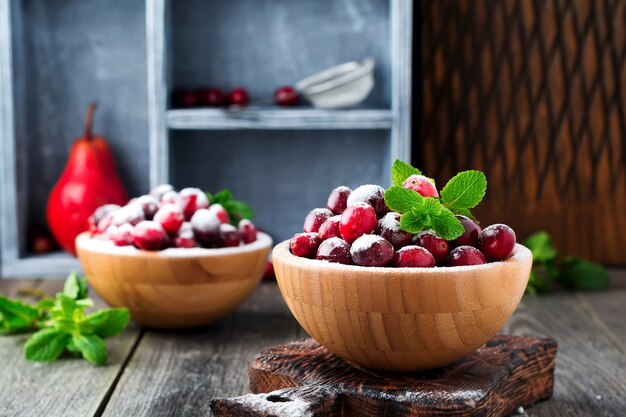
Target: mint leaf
541	247
444	223
92	348
464	191
579	274
106	323
46	345
16	316
401	171
75	287
402	199
465	212
221	197
412	223
237	211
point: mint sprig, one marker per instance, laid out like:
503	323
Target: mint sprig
237	210
464	191
401	171
63	324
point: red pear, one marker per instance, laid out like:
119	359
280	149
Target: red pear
89	180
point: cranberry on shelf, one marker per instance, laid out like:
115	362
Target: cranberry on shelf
315	218
149	204
286	96
496	242
192	199
335	250
206	227
99	214
212	97
422	185
470	235
330	228
228	236
238	97
149	235
338	199
305	244
374	195
247	231
183	98
413	256
389	228
357	220
434	244
158	191
466	255
371	250
131	213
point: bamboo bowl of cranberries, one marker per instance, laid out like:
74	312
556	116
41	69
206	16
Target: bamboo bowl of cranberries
397	279
172	258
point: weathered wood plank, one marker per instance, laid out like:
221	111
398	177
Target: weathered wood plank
178	373
68	387
590	370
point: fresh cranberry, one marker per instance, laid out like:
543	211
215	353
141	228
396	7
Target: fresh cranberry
158	191
122	235
212	97
149	235
389	228
131	213
305	244
184	238
358	219
466	255
182	98
374	195
338	199
171	197
437	246
104	224
247	231
496	242
470	235
315	218
336	250
192	199
220	212
205	226
286	96
149	204
371	250
422	185
330	228
413	256
98	214
238	97
170	217
228	236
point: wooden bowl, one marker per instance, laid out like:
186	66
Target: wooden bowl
401	319
173	288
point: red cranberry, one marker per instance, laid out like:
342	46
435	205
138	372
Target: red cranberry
422	185
149	235
192	199
205	226
149	204
247	231
184	238
171	197
122	235
212	97
158	191
374	195
220	212
305	244
389	228
315	218
469	236
371	250
269	271
338	199
170	217
286	96
413	256
496	242
182	98
104	224
466	255
436	245
336	250
99	214
228	236
330	228
358	219
238	97
130	213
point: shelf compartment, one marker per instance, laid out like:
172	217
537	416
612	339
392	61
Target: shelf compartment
54	265
279	119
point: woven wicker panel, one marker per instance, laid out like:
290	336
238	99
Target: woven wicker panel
533	93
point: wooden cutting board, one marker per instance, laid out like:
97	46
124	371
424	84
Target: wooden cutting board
303	378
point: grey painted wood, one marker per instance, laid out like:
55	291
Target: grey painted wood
401	89
281	119
590	370
281	174
177	374
50	265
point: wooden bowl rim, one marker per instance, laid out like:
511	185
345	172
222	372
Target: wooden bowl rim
86	243
521	255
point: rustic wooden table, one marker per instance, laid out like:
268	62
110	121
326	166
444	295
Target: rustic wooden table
153	373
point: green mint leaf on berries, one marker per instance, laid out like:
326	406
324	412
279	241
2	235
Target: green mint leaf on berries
464	191
46	345
402	199
401	171
237	210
